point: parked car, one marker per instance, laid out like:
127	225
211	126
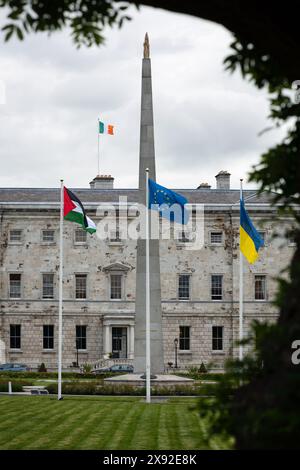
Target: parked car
11	367
117	368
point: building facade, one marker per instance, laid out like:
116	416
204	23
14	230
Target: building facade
199	288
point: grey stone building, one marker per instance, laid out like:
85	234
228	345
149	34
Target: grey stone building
194	303
199	288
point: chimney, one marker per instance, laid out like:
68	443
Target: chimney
102	182
223	180
204	186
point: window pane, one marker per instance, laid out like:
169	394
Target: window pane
260	287
80	236
216	287
183	237
116	286
184	338
216	237
115	236
48	336
15	336
80	336
217	338
15	286
184	286
48	287
48	235
15	235
80	289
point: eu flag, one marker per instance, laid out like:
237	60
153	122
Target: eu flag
169	204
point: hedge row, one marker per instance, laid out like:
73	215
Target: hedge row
118	389
53	375
16	385
201	376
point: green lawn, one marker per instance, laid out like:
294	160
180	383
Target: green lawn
101	423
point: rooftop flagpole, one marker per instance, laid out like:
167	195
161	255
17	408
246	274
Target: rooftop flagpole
241	288
148	355
59	396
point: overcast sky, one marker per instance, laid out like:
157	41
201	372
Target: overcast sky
205	119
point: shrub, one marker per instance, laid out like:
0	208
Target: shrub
202	368
196	375
42	368
87	368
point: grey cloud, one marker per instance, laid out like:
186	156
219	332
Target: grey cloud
205	119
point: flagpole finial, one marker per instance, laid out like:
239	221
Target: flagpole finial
146	47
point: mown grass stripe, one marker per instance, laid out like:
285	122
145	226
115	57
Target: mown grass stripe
101	423
146	427
56	422
114	416
124	437
18	419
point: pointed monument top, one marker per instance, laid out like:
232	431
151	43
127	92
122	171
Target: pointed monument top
146	47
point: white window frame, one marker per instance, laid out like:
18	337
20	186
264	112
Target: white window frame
216	351
86	286
190	329
266	287
184	299
42	290
53	326
122	286
21	285
180	240
47	242
221	243
10	336
86	338
80	243
211	286
113	240
16	242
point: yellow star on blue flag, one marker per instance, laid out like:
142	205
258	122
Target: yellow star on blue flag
169	204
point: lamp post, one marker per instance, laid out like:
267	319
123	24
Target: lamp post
176	346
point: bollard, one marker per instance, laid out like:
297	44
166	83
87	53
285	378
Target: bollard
9	388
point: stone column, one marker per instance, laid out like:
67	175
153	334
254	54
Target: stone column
131	342
106	341
2	351
147	160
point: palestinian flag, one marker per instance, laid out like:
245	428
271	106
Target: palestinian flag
74	211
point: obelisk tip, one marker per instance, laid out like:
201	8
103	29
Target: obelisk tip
146	47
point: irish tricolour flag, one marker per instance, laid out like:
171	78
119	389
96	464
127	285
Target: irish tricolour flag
74	211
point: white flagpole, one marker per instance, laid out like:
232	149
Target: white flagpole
241	293
98	149
148	356
60	287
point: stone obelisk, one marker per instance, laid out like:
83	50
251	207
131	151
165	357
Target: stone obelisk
147	160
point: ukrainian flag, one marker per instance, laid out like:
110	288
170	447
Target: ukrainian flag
250	240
